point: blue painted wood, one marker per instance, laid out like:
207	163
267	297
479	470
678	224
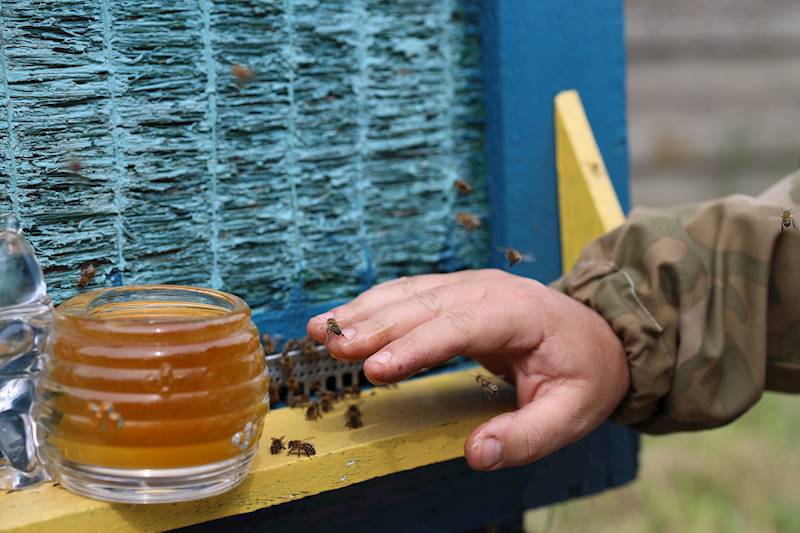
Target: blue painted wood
532	51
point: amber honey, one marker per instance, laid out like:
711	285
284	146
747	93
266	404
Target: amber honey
152	378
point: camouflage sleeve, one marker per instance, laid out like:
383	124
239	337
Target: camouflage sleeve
706	300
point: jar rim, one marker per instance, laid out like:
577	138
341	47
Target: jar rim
86	308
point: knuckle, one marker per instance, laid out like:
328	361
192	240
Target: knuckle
462	322
429	300
407	286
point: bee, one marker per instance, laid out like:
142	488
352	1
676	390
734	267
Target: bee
274	395
787	220
87	275
299	447
289	346
462	186
490	388
308	346
74	165
242	73
468	221
268	343
287	367
333	328
353	391
352	417
313	411
326	403
294	386
298	400
277	445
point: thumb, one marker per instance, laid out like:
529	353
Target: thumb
539	428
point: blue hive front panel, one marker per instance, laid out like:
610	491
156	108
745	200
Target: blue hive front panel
324	167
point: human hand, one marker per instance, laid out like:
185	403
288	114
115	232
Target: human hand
568	366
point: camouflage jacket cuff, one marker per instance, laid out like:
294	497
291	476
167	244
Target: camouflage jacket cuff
609	290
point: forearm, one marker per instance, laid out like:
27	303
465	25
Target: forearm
707	305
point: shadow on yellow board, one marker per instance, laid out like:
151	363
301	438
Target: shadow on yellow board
588	205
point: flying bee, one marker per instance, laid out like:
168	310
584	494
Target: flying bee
268	343
490	388
787	220
333	328
515	257
87	275
468	221
242	73
277	445
74	165
313	411
462	186
299	447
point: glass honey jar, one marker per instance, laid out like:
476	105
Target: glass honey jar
151	394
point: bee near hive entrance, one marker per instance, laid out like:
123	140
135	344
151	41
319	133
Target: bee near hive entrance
306	368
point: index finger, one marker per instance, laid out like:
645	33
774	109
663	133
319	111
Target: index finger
388	293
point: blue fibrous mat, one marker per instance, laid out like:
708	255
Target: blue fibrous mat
127	141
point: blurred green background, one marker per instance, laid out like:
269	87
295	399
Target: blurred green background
714	109
744	477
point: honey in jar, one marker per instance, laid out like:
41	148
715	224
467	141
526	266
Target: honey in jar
152	393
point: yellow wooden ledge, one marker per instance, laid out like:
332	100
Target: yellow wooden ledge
420	422
588	205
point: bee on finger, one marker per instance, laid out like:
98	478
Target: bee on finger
334	328
490	388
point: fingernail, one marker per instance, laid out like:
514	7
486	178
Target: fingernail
348	333
491	452
381	359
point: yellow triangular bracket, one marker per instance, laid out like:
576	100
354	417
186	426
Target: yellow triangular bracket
588	205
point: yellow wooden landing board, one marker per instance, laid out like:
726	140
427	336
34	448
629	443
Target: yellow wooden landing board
588	205
420	422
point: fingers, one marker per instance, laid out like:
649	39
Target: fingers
391	292
474	330
366	337
551	421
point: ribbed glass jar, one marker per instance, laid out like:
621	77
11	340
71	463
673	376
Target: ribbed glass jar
151	394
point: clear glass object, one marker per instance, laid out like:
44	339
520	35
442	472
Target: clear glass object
25	314
151	394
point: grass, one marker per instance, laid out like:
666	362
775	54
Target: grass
744	477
